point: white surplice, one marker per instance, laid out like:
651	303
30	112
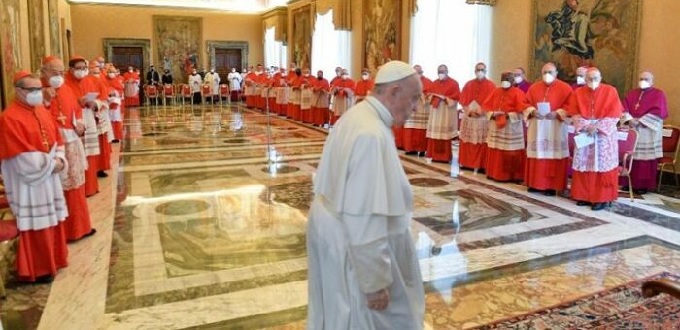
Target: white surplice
34	193
359	238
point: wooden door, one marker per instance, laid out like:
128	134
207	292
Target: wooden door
124	57
225	59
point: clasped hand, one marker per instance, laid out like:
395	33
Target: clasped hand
378	300
58	166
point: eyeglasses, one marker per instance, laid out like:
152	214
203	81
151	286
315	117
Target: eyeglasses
80	68
549	72
31	89
480	70
644	79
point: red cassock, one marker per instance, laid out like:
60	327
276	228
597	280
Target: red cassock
23	129
415	138
363	87
604	102
506	154
541	173
306	84
250	79
440	149
64	108
104	158
294	101
131	99
276	83
320	111
340	84
473	155
81	88
117	84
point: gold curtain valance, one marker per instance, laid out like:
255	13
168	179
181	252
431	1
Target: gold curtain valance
412	6
481	2
342	15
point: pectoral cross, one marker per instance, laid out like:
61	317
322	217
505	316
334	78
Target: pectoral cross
62	119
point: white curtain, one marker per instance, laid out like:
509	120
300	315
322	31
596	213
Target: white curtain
275	53
330	48
452	33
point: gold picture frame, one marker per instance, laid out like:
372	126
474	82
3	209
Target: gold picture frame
10	43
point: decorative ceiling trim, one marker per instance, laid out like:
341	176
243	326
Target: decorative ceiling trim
248	7
481	2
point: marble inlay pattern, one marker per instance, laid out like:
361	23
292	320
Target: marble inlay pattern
204	235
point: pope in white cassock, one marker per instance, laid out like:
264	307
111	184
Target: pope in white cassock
363	267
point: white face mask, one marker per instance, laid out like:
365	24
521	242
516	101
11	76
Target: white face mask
345	76
480	75
34	98
56	81
306	74
518	80
442	76
112	75
644	84
80	74
548	78
364	76
593	84
580	80
505	84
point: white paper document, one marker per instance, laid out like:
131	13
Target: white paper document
583	140
622	135
666	132
571	129
91	96
543	108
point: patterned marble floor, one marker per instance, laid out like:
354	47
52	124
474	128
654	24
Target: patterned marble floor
202	226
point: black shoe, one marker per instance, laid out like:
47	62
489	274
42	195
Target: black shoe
550	192
640	191
45	279
582	203
411	153
92	232
598	206
102	174
115	141
533	190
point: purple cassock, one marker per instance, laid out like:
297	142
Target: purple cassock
649	107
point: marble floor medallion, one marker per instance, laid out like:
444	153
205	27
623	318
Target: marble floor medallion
196	230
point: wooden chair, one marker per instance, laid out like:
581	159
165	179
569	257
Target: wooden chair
8	232
627	144
654	287
671	146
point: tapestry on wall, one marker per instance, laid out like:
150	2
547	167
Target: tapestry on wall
302	37
601	33
381	36
55	41
36	31
177	41
10	44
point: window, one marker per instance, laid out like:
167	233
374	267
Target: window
452	33
330	48
275	53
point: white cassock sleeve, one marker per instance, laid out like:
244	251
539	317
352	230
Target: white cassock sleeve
369	250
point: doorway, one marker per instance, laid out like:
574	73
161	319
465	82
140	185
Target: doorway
225	55
124	57
227	58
